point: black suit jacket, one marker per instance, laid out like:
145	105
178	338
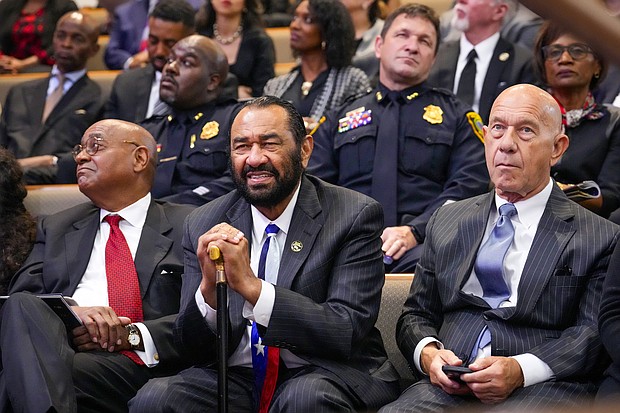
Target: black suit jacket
559	292
62	251
511	64
23	134
129	99
327	294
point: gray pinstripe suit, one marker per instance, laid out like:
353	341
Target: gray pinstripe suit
327	295
555	317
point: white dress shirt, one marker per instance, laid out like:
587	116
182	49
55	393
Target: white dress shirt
92	289
261	312
525	223
484	50
70	79
154	96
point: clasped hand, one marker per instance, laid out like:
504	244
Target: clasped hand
103	330
234	248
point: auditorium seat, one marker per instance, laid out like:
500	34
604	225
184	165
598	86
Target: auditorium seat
281	41
48	199
439	6
393	296
96	62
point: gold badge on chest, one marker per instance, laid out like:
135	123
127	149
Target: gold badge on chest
433	114
210	130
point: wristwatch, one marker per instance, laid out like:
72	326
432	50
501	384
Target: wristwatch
134	336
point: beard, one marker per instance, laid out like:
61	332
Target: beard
268	196
461	24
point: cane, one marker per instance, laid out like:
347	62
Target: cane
222	329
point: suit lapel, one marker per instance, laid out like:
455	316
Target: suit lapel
79	244
153	245
554	231
492	81
445	67
304	228
143	93
35	98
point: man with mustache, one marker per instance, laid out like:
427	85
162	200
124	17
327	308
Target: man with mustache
304	269
482	63
135	93
43	119
192	141
408	145
127	306
510	282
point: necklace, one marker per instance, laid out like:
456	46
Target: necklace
226	40
305	88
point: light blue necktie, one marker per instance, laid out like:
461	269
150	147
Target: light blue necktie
489	268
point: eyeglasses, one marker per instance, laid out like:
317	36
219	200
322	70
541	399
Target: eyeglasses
93	144
577	51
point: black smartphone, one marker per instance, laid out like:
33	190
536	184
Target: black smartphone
454	372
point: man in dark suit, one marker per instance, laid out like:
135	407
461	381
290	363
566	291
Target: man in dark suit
116	166
127	48
43	119
192	142
318	297
497	64
523	317
135	93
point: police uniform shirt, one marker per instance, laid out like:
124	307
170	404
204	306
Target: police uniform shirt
440	150
193	168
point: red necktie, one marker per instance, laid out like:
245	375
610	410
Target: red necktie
123	287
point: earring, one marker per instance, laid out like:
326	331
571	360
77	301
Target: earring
597	75
323	45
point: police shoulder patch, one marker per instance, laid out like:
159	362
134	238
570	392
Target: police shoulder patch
475	121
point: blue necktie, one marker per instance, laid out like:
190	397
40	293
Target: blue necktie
489	268
265	361
385	166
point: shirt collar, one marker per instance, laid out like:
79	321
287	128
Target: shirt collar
283	222
484	49
70	76
529	210
134	214
408	94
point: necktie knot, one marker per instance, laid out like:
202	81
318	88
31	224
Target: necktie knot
507	210
471	55
113	220
272	229
392	96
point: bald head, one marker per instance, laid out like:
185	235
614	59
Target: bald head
523	140
193	75
117	163
75	41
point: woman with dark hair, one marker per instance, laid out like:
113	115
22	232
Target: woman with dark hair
17	228
368	25
237	27
571	69
26	32
322	37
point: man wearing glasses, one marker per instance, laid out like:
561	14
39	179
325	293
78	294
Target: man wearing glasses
120	259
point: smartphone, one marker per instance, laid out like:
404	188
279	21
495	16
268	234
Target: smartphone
454	372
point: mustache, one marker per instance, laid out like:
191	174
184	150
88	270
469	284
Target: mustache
261	168
169	78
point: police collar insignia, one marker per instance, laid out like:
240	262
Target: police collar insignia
354	119
210	130
433	114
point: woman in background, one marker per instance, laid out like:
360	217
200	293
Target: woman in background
322	37
571	69
365	16
17	228
26	32
236	26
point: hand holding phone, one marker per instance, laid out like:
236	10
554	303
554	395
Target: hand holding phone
454	372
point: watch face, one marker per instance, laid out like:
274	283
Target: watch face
134	338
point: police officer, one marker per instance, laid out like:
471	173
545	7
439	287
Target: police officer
408	145
192	165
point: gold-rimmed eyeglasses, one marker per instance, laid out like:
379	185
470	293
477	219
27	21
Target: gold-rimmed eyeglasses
93	144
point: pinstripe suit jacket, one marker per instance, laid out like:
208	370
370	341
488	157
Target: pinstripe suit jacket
559	292
327	295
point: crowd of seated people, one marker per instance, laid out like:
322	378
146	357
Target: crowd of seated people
394	113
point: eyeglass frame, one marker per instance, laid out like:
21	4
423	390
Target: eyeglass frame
77	149
545	51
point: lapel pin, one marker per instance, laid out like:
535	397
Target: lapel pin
296	246
504	56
